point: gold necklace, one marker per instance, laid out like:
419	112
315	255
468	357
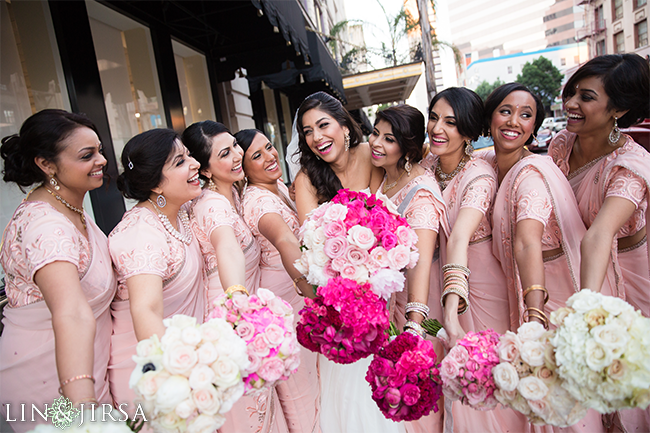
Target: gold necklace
392	185
445	178
69	206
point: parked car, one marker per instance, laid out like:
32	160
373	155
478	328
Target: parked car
544	137
640	133
554	123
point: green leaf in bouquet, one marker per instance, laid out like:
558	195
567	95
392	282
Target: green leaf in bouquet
135	424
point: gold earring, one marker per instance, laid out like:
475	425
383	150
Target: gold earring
54	183
469	149
408	166
347	141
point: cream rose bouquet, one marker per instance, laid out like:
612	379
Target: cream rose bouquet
602	349
527	378
189	378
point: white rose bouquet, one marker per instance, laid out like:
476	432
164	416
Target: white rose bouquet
189	378
528	380
602	349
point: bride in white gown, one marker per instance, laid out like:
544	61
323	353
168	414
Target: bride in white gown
332	157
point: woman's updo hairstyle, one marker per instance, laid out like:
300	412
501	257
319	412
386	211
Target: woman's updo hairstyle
626	79
40	136
500	93
407	124
143	159
320	174
198	139
245	137
468	110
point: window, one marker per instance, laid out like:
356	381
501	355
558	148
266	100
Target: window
619	43
641	34
194	84
599	18
639	3
600	48
617	9
562	61
510	69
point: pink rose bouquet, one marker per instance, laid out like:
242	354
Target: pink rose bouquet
466	371
527	378
347	321
404	378
265	322
188	379
358	237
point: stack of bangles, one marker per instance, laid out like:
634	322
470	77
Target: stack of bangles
295	285
537	313
236	288
72	379
411	326
456	281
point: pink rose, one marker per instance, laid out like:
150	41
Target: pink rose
335	229
265	295
335	212
245	330
206	399
361	237
335	247
241	302
476	395
255	362
540	407
259	346
292	363
508	347
279	307
271	369
274	335
388	240
393	397
410	394
459	354
404	236
356	273
328	271
415	256
339	263
356	256
179	359
449	368
378	256
399	257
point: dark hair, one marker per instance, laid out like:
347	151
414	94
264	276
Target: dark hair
468	110
198	139
407	124
143	159
320	173
500	93
40	136
245	137
626	79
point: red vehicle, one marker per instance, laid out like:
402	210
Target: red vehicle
640	133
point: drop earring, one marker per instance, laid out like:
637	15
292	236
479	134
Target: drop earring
347	141
161	201
408	166
615	133
54	183
469	149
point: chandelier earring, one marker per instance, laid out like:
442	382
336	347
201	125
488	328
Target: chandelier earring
408	166
211	186
615	133
347	141
161	201
54	183
469	149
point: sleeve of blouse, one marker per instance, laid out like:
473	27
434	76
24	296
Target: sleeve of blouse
50	238
139	248
625	184
213	211
533	201
258	206
423	212
479	194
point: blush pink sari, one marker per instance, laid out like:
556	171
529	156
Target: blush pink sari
36	236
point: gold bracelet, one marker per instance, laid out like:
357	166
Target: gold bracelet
543	319
536	287
295	285
72	379
453	266
536	312
236	288
463	303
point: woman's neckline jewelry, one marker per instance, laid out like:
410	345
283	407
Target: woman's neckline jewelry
69	206
391	185
185	220
444	178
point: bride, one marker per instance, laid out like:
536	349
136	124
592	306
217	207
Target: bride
332	157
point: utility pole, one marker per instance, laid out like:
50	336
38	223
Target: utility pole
427	50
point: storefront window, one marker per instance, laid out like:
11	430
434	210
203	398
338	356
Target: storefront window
272	127
193	81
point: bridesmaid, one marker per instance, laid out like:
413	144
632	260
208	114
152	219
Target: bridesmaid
468	186
157	259
271	216
59	279
230	252
536	223
397	146
610	176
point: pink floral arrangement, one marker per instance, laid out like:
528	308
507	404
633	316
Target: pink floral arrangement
265	322
404	378
466	371
347	321
360	237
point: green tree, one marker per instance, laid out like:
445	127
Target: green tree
542	78
484	89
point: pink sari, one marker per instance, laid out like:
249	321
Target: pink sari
300	394
36	236
139	244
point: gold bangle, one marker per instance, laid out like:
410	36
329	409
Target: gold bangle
295	285
236	288
536	287
536	312
453	266
543	319
72	379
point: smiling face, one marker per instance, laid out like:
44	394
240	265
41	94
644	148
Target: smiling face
225	160
513	121
180	176
324	135
386	152
444	138
587	110
261	161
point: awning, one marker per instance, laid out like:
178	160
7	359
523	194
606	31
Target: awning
381	86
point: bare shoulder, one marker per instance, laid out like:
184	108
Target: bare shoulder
302	182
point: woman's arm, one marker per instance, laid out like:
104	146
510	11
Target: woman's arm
596	245
230	257
273	228
464	228
73	323
530	262
417	278
146	302
306	197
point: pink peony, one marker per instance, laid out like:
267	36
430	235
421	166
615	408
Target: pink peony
245	330
271	369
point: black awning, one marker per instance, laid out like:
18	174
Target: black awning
287	17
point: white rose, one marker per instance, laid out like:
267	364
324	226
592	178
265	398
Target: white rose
265	294
584	301
227	372
505	376
530	331
320	258
558	316
171	337
612	392
205	424
148	385
207	400
186	408
520	405
335	212
540	407
172	391
149	347
531	388
191	335
300	265
362	237
180	321
616	306
308	239
532	352
317	276
215	329
201	376
169	422
597	357
611	336
180	359
319	236
207	353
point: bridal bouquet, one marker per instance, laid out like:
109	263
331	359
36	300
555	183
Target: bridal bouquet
528	379
466	371
189	378
265	322
347	321
405	379
358	237
602	349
